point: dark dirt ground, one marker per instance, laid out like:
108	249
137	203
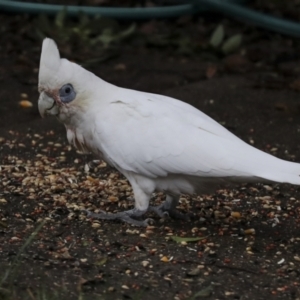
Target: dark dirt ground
251	232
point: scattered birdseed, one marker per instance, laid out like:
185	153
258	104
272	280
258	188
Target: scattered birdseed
25	103
249	231
145	263
125	287
164	259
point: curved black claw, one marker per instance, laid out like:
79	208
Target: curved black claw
143	223
159	211
176	214
173	213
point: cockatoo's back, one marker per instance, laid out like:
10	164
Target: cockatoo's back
169	137
157	142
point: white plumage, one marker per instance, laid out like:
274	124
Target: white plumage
157	142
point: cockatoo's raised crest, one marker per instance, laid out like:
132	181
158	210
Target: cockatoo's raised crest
50	61
60	81
157	142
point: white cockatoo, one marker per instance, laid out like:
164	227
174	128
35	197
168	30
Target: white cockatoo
158	143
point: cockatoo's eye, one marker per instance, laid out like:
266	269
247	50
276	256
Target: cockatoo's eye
67	93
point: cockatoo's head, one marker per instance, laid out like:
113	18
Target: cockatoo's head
63	86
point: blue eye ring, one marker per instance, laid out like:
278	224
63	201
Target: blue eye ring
67	93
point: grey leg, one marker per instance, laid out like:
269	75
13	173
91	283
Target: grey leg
168	208
142	194
125	216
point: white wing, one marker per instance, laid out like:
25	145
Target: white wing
155	136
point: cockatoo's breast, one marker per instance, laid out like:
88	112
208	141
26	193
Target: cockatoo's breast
76	138
83	142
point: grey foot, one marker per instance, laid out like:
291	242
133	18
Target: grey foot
164	211
125	216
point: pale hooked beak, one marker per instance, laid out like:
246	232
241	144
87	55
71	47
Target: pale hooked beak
47	105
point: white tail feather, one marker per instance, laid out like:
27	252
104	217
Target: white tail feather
266	166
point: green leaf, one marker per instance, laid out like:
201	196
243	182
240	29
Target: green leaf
232	44
101	262
60	18
206	292
85	243
217	37
127	32
107	37
179	239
